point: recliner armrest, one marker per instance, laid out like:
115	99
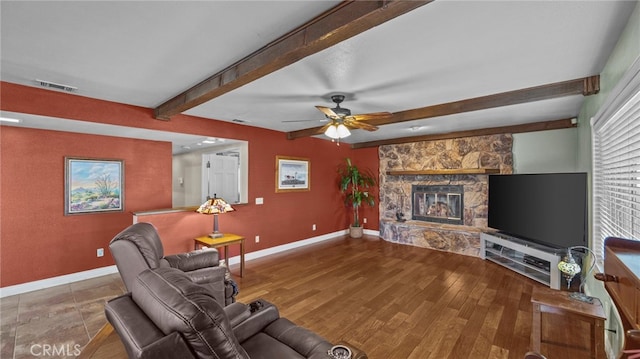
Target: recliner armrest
201	258
257	321
208	275
170	347
302	340
212	278
237	313
140	337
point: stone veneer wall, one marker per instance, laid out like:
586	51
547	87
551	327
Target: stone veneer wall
494	151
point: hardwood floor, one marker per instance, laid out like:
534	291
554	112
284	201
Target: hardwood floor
396	301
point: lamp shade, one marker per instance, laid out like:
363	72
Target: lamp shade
337	131
570	268
332	132
343	131
214	206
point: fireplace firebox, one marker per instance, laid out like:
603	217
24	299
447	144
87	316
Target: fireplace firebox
441	204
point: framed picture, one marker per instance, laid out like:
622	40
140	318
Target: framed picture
93	185
292	174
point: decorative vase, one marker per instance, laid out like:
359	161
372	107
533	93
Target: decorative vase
355	232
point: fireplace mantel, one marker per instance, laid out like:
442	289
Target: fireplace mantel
451	171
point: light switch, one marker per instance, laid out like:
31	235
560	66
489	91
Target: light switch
259	200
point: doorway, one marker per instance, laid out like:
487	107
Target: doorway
220	176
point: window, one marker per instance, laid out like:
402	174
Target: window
616	163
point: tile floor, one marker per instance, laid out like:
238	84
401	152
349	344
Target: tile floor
55	322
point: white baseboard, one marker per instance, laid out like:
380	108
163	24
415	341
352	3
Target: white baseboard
98	272
371	232
286	247
52	282
298	244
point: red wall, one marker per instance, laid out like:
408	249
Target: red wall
37	241
367	158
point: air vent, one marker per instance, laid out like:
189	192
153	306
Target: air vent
56	86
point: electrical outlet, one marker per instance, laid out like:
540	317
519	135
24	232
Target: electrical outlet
257	239
100	252
364	220
313	228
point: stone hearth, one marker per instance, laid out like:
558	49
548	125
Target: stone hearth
479	152
456	239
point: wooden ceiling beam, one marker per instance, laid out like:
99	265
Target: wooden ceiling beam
527	127
584	86
344	21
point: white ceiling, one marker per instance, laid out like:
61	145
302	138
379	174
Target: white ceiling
144	53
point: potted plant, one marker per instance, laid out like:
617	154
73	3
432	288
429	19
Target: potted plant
355	185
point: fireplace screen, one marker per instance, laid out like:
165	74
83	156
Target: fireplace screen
442	204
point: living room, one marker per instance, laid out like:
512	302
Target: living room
64	249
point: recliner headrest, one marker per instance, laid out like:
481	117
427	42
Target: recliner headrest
146	238
174	303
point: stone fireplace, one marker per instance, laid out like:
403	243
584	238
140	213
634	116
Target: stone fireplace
440	204
440	187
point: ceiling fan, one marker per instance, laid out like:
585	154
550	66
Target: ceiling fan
341	119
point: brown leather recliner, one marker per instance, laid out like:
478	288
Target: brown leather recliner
138	247
168	316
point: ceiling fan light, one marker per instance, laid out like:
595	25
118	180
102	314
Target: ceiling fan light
332	132
342	131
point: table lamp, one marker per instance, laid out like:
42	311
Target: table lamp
569	268
215	206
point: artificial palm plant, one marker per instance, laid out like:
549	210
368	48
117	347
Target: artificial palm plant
355	185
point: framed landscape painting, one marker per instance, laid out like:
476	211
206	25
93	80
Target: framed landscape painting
292	174
93	185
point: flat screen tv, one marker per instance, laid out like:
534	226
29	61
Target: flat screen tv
548	209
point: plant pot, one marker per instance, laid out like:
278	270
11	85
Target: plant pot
355	232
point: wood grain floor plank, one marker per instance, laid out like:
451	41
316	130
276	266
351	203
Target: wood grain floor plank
498	353
397	301
465	342
454	329
483	344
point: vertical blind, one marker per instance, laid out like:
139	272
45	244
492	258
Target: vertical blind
616	164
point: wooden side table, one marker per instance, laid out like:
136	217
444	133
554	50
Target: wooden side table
223	241
545	300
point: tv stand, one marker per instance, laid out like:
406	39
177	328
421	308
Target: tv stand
535	261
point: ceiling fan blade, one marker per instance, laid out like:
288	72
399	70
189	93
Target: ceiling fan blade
372	116
321	120
327	111
351	122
